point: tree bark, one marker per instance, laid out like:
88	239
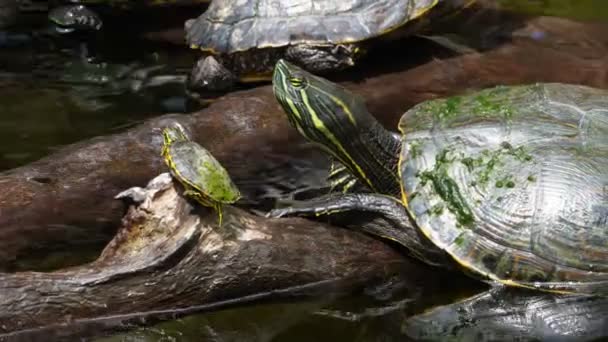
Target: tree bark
170	258
65	199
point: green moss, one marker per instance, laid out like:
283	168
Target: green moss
459	240
488	168
472	163
488	161
443	109
485	164
531	178
415	148
437	209
217	183
489	103
521	154
447	189
452	106
506	182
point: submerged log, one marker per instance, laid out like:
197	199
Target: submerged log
65	199
170	258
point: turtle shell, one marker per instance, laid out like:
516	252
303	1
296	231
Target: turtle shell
229	25
513	183
196	168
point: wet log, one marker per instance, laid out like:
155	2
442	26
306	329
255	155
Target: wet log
170	258
65	199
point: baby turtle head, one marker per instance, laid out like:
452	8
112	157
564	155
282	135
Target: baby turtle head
173	133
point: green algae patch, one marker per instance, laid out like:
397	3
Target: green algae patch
521	154
487	104
217	183
415	148
491	104
483	166
447	189
437	209
443	109
459	241
505	182
488	162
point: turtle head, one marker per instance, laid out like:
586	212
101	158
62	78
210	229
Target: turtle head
173	133
338	121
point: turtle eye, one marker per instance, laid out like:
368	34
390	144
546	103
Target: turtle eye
297	82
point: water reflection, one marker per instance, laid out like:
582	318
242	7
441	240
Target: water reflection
50	97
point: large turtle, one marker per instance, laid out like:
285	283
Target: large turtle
242	40
509	182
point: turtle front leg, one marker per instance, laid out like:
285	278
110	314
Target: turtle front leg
395	223
210	74
338	203
204	201
322	58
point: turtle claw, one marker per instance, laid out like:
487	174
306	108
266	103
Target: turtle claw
293	211
282	212
324	205
190	193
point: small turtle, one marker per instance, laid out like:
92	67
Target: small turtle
244	39
203	177
510	183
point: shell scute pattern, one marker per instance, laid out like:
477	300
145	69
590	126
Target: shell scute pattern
531	163
239	25
201	171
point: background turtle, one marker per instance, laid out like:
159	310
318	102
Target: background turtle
244	39
510	182
70	18
203	177
80	22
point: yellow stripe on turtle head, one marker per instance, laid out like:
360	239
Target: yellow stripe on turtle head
323	129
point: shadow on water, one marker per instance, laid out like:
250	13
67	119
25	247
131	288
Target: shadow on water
49	100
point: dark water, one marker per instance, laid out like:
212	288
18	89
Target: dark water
47	100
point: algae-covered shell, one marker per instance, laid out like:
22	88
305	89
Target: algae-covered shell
197	169
195	166
512	182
